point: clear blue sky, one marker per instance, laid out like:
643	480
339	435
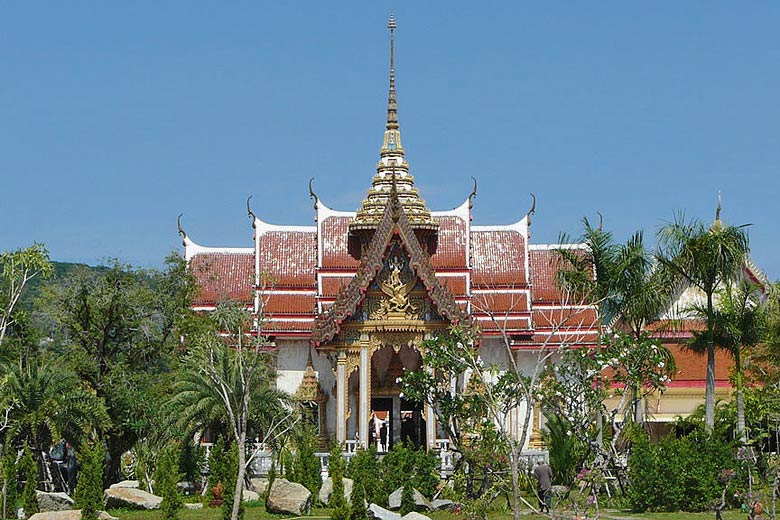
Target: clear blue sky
117	116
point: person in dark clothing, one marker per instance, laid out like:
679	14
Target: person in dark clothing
543	475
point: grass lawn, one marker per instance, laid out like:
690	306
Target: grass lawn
259	513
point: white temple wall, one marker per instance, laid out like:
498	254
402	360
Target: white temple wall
291	364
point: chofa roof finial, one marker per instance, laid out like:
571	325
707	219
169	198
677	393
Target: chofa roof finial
601	221
313	195
473	193
249	212
532	210
181	230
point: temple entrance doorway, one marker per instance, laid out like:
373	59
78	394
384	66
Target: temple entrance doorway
392	418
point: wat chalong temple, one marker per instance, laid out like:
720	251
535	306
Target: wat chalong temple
348	301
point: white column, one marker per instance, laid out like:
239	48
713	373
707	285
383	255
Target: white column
341	397
430	427
364	404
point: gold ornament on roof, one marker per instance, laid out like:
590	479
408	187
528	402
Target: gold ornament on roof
393	168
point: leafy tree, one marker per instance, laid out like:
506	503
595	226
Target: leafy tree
707	258
218	467
89	489
119	328
17	269
165	479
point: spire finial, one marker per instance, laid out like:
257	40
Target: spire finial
392	106
720	205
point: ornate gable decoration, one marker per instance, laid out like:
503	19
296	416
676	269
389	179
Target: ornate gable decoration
393	276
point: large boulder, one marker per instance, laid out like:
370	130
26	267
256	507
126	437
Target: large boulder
130	498
53	501
394	500
248	495
73	514
126	484
380	513
442	504
414	515
327	490
258	485
288	498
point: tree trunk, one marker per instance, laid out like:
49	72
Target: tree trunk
238	493
709	391
741	433
515	467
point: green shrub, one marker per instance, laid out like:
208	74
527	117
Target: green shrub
358	502
165	479
678	474
364	467
10	480
336	470
305	466
407	500
229	481
217	467
28	470
189	462
89	488
404	465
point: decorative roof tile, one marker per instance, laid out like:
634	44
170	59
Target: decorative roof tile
498	258
451	247
334	240
289	257
223	277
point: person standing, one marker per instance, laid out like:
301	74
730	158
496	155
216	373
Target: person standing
544	475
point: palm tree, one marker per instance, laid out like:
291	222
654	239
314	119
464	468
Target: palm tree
227	378
708	258
48	402
738	322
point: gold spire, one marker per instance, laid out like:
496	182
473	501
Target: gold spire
392	164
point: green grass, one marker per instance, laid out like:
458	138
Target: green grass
259	513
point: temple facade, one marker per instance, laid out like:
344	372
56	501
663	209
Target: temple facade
348	300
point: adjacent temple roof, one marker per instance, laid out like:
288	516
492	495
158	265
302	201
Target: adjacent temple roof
307	279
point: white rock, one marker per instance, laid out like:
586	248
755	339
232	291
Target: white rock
327	490
130	498
126	484
73	514
380	513
53	501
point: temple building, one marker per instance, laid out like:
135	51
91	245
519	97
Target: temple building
348	300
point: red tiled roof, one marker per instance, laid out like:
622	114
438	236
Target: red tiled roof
289	257
223	276
331	285
544	269
302	304
335	234
451	246
499	258
693	367
499	303
287	326
566	317
455	284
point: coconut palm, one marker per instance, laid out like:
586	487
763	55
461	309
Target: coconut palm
738	321
708	258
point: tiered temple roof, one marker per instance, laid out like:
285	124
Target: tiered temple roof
495	277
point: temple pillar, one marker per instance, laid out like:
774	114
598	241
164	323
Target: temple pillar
341	398
365	398
536	442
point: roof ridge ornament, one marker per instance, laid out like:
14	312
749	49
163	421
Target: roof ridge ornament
531	210
313	195
392	157
473	193
250	213
181	230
